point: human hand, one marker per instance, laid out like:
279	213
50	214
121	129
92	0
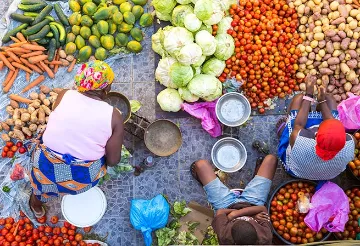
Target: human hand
262	216
310	81
322	93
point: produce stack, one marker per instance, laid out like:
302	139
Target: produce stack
102	27
192	57
354	165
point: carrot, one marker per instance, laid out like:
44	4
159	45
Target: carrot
35	53
34	43
8	77
13	56
19	98
72	65
11	81
18	49
36	59
33	47
6	61
18	44
35	82
20	36
15	39
57	57
10	60
48	70
27	76
22	67
1	65
32	66
53	62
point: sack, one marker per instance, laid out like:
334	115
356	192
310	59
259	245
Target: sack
330	209
149	215
349	112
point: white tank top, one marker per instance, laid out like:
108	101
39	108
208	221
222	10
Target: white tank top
79	126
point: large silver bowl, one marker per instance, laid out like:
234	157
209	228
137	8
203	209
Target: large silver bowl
233	109
229	155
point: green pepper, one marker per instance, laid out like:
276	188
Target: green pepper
6	189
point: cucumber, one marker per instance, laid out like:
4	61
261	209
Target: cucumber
41	34
52	49
56	33
22	18
62	31
13	32
43	41
49	35
34	29
32	14
33	7
31	2
42	14
60	14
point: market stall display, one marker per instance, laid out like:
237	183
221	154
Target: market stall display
354	166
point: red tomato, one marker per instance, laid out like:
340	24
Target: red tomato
22	150
9	144
19	144
10	154
14	148
54	220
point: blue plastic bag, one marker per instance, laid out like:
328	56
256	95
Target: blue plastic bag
149	215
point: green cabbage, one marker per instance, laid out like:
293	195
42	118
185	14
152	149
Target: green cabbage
186	95
206	41
226	4
179	13
203	9
216	16
190	54
216	95
206	28
183	1
163	16
176	38
169	100
156	42
192	23
197	70
224	25
213	67
164	6
204	85
200	62
162	72
225	46
181	74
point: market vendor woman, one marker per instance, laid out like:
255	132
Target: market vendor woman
314	145
83	136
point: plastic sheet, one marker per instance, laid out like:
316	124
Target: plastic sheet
349	112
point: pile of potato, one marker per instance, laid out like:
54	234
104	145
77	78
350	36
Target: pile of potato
331	49
25	123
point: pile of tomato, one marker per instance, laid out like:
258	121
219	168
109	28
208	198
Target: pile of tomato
11	148
352	226
23	233
265	57
355	164
286	219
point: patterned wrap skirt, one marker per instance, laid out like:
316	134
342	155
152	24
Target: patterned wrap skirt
54	174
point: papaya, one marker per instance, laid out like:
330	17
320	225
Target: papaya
84	53
85	32
95	31
137	11
70	48
101	5
89	8
125	7
70	37
137	34
118	2
112	27
99	1
113	9
100	54
134	46
102	14
129	18
139	2
86	21
74	6
121	39
117	18
103	27
124	27
76	29
146	20
80	42
107	41
75	19
94	41
82	2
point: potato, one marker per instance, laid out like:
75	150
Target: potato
326	71
19	123
301	9
14	104
46	102
44	89
41	116
34	95
355	89
334	5
10	110
5	137
319	36
70	58
65	63
336	38
35	105
62	54
352	45
25	117
351	76
333	61
10	122
46	109
5	126
33	117
42	96
26	131
16	114
41	128
344	68
19	134
302	86
302	60
333	67
338	21
300	75
330	33
343	11
57	90
352	63
342	56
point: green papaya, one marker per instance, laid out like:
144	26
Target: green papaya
85	32
70	37
139	2
82	2
102	14
100	54
86	21
121	39
146	20
137	11
117	18
75	29
99	1
84	53
75	19
80	42
103	27
94	41
95	31
107	41
70	48
129	18
134	46
101	5
125	7
118	2
113	9
112	27
89	8
124	27
137	34
74	6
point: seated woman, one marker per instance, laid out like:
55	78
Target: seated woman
83	136
314	145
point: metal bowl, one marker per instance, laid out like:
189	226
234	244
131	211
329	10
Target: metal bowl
229	155
120	102
163	137
233	109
